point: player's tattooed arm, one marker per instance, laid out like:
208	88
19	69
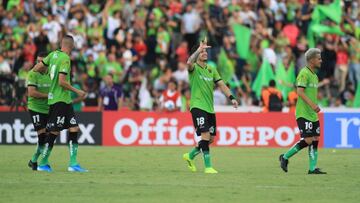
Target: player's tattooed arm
301	93
192	59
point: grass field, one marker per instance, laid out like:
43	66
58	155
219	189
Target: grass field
149	174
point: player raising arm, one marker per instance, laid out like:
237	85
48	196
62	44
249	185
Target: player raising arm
203	79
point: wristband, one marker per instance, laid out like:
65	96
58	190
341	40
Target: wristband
231	97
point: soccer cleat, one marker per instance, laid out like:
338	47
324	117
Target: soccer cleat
45	168
283	163
33	165
77	168
316	171
191	164
210	170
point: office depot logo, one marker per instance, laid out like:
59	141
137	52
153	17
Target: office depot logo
151	129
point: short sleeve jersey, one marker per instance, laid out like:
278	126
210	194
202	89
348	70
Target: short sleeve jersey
58	62
308	80
202	84
42	83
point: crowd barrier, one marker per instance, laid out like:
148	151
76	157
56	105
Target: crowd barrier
129	128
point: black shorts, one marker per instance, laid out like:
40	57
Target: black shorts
308	128
203	121
39	120
61	116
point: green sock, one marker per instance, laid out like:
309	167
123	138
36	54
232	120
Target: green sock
45	155
39	150
312	159
207	160
195	151
73	149
292	151
316	156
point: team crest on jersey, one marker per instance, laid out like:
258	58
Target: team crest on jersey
73	121
212	129
318	130
209	70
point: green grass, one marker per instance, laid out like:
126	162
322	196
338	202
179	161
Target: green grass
158	174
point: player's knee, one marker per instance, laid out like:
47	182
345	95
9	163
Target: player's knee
205	136
55	132
74	129
308	140
41	131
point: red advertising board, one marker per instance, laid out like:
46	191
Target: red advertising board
176	129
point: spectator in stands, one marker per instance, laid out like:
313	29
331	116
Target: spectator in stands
272	98
170	99
292	99
111	96
191	22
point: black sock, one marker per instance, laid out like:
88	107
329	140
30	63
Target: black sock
204	145
51	140
302	144
295	149
73	137
315	145
42	139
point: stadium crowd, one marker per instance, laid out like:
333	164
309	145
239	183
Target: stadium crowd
133	53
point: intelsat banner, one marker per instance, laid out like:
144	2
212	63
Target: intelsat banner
16	128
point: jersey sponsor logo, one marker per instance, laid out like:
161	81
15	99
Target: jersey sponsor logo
205	78
44	85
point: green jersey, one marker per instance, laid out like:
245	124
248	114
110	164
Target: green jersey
42	83
58	62
202	83
308	80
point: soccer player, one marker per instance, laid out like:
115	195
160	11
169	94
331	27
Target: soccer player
203	79
307	113
61	112
38	84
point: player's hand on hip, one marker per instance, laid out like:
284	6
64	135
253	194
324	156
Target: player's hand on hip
235	103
